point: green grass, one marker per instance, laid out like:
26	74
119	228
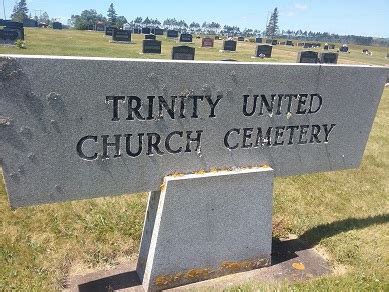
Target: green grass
343	213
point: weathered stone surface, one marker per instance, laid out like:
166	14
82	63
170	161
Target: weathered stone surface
53	104
202	226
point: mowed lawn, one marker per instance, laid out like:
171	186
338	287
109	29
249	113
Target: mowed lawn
345	214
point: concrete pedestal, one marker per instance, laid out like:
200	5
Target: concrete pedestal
202	226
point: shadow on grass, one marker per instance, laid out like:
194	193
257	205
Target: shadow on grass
286	250
282	251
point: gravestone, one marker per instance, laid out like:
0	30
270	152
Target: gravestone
268	41
28	22
207	42
150	37
172	33
146	30
307	57
208	155
258	40
263	51
151	47
11	32
300	44
57	25
308	45
283	43
274	42
343	49
137	31
240	39
289	43
109	30
328	57
11	24
183	53
217	38
99	26
229	45
186	38
326	47
119	35
331	46
158	31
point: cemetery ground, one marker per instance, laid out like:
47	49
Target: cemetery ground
344	214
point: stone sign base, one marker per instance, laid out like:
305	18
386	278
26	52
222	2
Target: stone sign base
202	226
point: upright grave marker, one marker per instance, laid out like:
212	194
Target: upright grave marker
186	38
258	40
158	31
146	30
151	47
229	45
307	57
240	39
11	32
263	51
172	33
207	42
150	36
109	30
328	57
57	25
159	125
274	42
183	53
289	43
121	35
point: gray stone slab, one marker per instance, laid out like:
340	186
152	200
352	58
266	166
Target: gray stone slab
205	226
49	105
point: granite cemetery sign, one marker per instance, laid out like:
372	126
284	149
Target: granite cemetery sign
153	125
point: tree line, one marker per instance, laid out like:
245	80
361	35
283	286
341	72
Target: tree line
88	18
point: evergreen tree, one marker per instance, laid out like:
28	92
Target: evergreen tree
20	11
272	27
111	14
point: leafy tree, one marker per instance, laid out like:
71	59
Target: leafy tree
44	18
120	21
111	14
86	20
20	11
138	22
146	22
272	27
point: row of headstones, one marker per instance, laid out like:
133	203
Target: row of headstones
11	32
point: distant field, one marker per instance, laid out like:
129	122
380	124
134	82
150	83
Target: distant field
345	214
90	43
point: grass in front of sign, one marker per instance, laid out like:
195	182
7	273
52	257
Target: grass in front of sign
343	213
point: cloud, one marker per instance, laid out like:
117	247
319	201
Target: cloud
293	10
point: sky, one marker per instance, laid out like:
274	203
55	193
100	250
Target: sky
366	18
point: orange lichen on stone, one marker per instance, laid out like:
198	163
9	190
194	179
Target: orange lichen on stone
161	280
197	273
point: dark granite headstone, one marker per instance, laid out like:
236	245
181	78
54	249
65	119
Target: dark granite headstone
240	39
149	36
263	51
207	42
109	30
229	45
331	46
307	57
151	47
300	44
274	42
57	25
10	35
172	33
258	40
146	30
158	31
343	49
28	22
326	47
186	38
328	58
217	38
183	53
121	35
308	45
282	43
289	43
137	31
268	41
